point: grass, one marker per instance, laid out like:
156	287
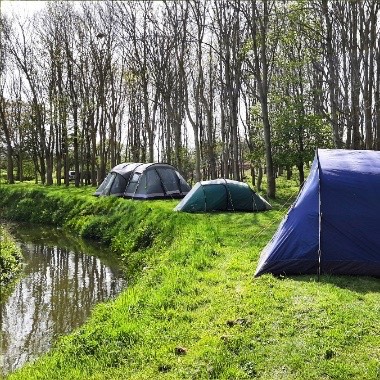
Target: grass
193	309
10	258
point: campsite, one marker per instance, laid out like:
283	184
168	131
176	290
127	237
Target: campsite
193	308
189	190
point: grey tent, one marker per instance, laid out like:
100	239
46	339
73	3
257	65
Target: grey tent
222	195
144	181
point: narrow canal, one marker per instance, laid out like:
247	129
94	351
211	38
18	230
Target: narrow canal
63	278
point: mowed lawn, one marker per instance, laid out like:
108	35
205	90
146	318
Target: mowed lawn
193	309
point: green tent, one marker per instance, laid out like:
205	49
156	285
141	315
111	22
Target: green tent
222	195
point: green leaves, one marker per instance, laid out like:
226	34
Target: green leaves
10	257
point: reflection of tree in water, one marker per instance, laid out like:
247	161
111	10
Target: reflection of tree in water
37	234
55	295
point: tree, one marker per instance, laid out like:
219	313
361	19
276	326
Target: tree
230	40
27	57
4	105
259	26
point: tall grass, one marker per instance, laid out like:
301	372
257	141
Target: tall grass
193	309
10	258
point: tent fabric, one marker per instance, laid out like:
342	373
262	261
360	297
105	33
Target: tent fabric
333	226
222	195
144	181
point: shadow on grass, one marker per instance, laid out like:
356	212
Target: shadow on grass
358	284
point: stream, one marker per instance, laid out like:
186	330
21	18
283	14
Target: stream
62	279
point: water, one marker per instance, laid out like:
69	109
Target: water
63	278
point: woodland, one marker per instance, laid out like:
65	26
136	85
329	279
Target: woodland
216	88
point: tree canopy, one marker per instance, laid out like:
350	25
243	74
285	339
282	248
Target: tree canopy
207	86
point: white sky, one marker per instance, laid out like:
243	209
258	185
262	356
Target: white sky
26	8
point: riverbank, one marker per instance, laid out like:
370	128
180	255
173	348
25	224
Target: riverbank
10	258
192	309
62	279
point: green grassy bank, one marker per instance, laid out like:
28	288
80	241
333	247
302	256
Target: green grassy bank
192	309
10	258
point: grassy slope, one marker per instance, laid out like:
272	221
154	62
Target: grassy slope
194	310
10	257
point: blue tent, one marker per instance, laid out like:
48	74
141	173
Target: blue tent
334	225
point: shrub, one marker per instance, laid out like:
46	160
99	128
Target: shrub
10	257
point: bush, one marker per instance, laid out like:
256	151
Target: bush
10	257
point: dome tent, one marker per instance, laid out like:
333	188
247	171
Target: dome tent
333	226
222	195
144	181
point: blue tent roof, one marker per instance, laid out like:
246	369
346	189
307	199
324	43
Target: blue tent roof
333	226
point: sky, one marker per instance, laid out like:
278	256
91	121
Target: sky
21	7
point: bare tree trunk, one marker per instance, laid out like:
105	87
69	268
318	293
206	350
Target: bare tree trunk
258	24
355	78
377	103
368	38
332	81
259	177
4	124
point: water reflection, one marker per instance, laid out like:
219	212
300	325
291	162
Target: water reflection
56	294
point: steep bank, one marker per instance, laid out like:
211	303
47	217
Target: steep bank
126	226
10	257
193	309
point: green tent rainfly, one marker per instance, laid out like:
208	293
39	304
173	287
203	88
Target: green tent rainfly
222	195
